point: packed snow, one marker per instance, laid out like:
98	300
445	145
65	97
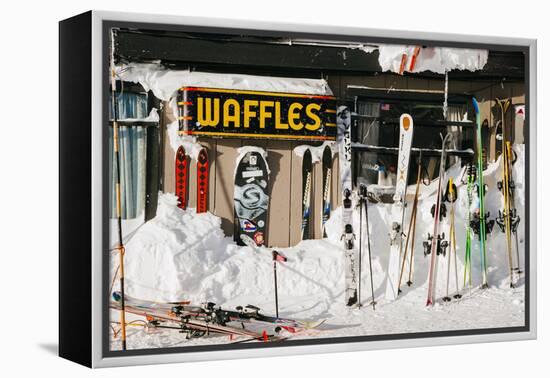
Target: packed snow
189	143
182	255
165	82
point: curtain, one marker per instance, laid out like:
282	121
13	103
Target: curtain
132	149
130	106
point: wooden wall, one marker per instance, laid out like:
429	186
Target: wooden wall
285	185
486	94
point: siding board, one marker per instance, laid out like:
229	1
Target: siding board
295	197
280	189
226	153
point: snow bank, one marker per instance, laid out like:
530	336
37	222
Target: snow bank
165	82
434	59
183	255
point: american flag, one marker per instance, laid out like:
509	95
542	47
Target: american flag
278	257
385	107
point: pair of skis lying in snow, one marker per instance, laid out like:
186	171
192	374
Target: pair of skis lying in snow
197	321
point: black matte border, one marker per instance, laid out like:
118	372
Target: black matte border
107	25
75	190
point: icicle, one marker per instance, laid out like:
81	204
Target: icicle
446	94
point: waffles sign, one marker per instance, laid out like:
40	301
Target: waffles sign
250	114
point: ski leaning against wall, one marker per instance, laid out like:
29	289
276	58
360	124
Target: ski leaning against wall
202	181
348	236
182	177
399	206
327	185
307	181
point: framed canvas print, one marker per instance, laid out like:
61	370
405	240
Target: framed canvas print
233	189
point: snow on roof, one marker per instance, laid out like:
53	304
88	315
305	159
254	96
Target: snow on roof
165	82
434	59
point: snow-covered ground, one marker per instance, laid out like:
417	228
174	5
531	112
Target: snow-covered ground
181	255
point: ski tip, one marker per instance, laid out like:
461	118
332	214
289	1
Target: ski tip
475	104
405	121
429	302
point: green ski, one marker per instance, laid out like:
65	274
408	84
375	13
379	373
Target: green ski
481	194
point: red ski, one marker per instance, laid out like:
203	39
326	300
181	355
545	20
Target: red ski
202	181
182	177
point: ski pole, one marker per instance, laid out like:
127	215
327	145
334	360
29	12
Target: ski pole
118	200
412	224
446	298
368	246
413	216
361	199
411	261
275	278
453	241
277	257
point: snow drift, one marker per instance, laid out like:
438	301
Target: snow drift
184	255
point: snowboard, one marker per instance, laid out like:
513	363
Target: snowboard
307	180
202	181
327	186
251	199
399	205
348	235
436	243
182	177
